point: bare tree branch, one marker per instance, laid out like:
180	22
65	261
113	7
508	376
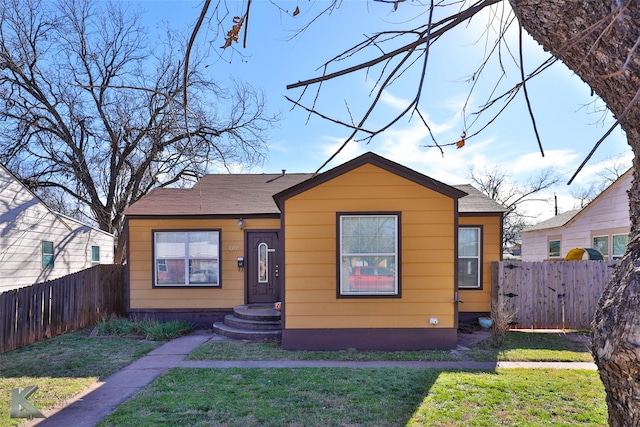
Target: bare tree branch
526	94
498	185
455	20
607	133
87	109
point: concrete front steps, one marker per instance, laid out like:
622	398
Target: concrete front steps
254	322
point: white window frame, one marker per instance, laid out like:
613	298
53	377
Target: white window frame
186	275
607	247
613	246
95	261
550	255
46	254
466	257
349	261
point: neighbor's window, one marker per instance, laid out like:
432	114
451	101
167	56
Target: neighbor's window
469	254
369	254
47	254
554	248
620	242
186	258
601	243
95	254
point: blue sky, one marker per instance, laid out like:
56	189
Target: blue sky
562	103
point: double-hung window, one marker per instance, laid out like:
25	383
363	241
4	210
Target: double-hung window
469	254
95	255
186	258
554	248
368	251
48	257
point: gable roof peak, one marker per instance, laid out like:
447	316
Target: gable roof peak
375	160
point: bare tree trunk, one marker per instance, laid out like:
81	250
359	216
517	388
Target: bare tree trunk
616	344
598	40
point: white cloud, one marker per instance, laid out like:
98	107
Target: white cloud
397	103
534	162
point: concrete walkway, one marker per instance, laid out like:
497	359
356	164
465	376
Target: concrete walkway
98	401
92	405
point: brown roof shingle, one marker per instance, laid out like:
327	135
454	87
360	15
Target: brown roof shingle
223	194
253	194
246	194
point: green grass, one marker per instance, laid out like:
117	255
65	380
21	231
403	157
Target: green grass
63	366
148	328
366	397
534	347
514	397
518	346
239	350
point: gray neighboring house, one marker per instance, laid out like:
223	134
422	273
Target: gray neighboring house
37	244
603	224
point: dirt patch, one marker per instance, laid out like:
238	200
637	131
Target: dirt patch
469	327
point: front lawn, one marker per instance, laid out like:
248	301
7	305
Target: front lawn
366	397
63	366
378	396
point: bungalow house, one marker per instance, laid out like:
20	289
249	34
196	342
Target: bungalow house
368	255
37	244
603	224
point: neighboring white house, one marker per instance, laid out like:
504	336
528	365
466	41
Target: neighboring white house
37	244
603	224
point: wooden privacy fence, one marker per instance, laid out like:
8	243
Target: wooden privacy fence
550	294
44	310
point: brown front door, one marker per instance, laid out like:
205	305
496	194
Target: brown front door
262	270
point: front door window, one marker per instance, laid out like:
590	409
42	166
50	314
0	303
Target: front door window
263	263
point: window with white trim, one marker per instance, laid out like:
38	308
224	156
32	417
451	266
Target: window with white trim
469	257
601	243
95	255
619	245
48	258
186	258
368	247
554	248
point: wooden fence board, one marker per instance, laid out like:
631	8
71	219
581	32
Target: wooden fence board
44	310
550	294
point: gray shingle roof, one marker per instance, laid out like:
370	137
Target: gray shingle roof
553	222
477	201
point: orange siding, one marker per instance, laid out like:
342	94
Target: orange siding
427	244
231	293
480	300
